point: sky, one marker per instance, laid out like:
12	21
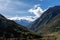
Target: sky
11	8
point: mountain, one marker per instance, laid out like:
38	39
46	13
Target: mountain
48	25
2	17
25	21
11	30
51	27
49	21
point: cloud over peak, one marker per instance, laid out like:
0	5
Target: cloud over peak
37	10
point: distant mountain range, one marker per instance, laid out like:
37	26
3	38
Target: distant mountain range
25	21
48	22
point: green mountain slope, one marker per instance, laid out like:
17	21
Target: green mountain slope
52	26
10	29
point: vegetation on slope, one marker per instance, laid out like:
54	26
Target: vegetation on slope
11	30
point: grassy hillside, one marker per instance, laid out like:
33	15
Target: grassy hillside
9	30
51	31
52	26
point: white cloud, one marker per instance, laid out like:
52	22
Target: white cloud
29	18
13	7
36	5
41	0
21	3
37	10
11	4
3	4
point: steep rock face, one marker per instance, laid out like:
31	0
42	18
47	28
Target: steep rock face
45	18
51	27
51	30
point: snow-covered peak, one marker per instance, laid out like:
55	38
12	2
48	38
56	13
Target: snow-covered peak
37	10
29	18
25	21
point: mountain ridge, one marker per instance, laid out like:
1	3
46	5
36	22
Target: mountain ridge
45	18
25	21
11	30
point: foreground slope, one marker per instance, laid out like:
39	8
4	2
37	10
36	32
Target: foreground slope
10	29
